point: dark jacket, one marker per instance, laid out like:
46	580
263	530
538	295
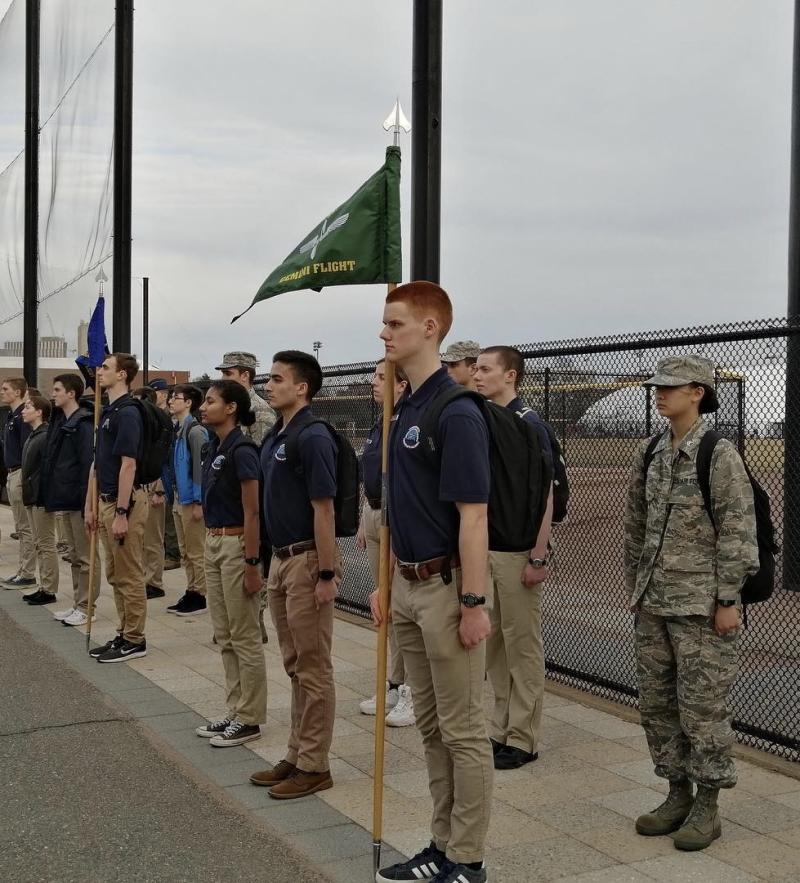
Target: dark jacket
33	453
70	451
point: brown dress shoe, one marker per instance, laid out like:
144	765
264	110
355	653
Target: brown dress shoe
300	783
278	773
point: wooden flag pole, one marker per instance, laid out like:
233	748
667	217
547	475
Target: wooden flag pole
95	501
384	596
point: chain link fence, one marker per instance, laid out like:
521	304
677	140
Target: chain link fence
590	391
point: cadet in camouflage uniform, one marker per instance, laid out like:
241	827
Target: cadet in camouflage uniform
241	367
684	582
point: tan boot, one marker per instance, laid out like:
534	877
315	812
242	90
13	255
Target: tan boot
301	783
671	814
278	773
703	825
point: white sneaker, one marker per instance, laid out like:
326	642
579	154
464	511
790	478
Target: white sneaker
78	617
370	706
61	615
402	715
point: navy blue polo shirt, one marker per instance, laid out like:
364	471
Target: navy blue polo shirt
423	518
371	462
119	435
535	420
223	474
289	489
15	435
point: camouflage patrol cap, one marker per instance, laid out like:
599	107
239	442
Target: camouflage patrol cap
682	370
460	350
238	360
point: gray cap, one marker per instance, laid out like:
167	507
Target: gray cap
238	360
158	384
691	368
460	350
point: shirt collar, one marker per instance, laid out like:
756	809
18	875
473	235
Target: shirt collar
688	443
516	404
420	397
304	410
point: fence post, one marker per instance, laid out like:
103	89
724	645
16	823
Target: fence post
547	394
791	447
740	417
648	417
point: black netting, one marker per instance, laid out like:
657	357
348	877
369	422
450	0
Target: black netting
590	391
75	174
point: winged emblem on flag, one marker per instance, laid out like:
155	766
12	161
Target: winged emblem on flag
324	231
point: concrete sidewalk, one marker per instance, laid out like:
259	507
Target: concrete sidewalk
566	817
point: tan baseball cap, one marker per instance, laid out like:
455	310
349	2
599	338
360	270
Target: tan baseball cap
460	350
238	360
691	368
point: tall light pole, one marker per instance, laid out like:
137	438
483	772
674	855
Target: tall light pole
317	347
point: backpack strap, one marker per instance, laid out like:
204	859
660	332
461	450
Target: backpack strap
705	452
650	452
430	420
293	438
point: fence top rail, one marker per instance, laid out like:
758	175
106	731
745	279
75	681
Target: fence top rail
753	329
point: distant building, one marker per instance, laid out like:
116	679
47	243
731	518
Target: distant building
49	348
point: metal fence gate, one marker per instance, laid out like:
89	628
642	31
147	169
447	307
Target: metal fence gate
590	391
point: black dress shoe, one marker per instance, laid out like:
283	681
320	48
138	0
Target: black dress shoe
155	592
44	598
496	746
510	758
33	596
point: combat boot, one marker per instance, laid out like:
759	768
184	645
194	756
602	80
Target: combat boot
671	814
703	826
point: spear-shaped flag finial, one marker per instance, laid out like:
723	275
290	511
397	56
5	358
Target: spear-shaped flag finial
396	121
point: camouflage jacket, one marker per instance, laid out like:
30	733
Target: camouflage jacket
265	418
675	563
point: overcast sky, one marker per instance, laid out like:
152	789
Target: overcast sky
607	166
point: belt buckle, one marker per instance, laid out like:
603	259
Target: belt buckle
418	575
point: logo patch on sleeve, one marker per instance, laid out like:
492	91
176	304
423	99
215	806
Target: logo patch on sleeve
280	454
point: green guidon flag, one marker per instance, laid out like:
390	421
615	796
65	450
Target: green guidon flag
357	244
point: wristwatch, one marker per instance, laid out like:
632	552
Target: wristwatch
253	562
470	600
537	562
120	511
727	603
327	575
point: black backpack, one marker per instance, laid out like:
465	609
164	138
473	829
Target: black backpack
346	502
759	586
560	479
520	477
158	434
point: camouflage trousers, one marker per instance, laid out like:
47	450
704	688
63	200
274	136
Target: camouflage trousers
685	671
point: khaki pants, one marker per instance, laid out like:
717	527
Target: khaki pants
371	519
43	530
447	682
234	615
154	543
192	540
78	542
305	635
61	529
27	552
514	654
124	570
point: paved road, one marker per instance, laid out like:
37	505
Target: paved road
89	797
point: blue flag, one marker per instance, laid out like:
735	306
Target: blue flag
98	346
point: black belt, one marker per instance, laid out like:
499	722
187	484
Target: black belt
373	503
284	552
13	469
112	498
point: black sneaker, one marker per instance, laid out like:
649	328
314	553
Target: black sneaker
33	596
44	598
453	873
214	728
19	582
510	758
14	536
104	648
496	746
154	592
425	865
190	604
123	652
236	733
